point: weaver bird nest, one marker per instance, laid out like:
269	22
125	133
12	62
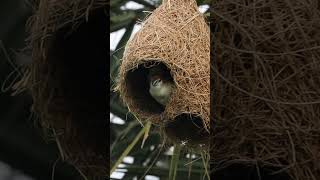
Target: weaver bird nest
266	89
174	38
67	79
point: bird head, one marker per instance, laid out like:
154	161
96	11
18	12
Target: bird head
156	81
158	75
160	84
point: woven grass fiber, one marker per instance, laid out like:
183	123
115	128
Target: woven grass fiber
65	39
174	35
266	85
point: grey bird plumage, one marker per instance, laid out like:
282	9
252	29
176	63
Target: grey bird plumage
160	84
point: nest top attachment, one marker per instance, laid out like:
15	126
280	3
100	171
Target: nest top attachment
176	36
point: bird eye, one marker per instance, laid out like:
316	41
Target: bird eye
156	82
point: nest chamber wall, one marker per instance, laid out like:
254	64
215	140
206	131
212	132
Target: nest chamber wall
266	97
174	35
67	79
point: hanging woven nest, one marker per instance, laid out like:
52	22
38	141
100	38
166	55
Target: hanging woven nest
266	98
67	79
175	37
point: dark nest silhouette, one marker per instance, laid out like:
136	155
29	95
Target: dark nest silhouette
68	80
189	130
266	86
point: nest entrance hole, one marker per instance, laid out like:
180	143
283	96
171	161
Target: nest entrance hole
137	84
242	171
187	128
77	64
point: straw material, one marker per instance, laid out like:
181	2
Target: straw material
81	143
177	36
266	100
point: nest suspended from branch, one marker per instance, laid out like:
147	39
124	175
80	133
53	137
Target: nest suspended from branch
176	36
266	89
67	79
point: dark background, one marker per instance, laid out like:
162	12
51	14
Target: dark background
22	144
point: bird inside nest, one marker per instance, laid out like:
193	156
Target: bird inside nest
160	84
